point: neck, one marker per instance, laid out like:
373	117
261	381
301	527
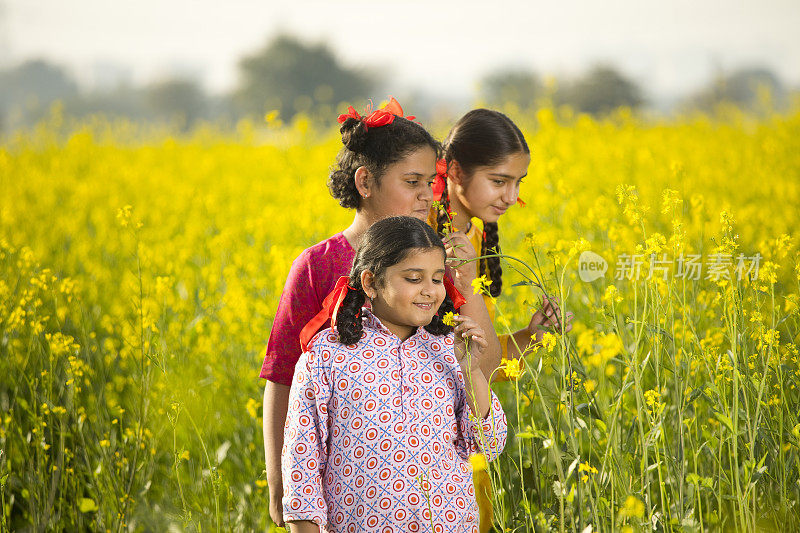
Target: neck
402	332
356	230
462	217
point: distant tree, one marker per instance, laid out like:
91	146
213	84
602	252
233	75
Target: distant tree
520	87
35	83
745	88
601	90
291	76
176	97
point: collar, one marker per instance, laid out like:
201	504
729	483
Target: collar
370	321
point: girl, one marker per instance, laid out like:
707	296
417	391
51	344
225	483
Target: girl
385	168
486	158
387	406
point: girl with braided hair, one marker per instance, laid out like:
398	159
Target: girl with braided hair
486	158
387	406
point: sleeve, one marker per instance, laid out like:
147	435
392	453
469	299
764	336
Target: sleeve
305	449
487	435
298	304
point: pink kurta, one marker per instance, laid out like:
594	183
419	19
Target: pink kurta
312	276
366	420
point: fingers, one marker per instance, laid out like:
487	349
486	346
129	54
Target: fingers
468	328
549	316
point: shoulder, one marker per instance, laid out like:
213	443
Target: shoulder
321	264
322	346
325	347
333	248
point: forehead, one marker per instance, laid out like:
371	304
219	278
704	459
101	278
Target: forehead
427	259
421	160
513	165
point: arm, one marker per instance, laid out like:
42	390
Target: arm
303	526
459	249
305	449
548	317
276	401
298	303
483	425
469	342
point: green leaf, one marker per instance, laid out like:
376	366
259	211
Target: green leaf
87	505
725	420
695	394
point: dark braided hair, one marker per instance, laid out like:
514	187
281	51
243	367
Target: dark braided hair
374	148
482	138
386	243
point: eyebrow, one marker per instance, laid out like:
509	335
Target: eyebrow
421	270
507	176
412	173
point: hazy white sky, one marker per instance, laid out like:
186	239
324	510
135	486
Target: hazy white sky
669	46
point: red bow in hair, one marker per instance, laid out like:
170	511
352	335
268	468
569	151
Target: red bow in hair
379	117
440	182
452	292
330	309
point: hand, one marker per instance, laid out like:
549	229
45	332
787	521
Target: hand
276	508
470	341
458	250
548	318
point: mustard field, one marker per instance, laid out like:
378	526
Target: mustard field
141	272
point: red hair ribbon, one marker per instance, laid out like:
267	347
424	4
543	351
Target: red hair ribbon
452	292
330	309
440	182
380	117
521	202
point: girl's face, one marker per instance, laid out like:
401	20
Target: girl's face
411	292
490	191
404	189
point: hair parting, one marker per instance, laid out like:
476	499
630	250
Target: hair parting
386	243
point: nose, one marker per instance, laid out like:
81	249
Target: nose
426	194
510	193
426	289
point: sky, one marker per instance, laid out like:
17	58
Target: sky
670	47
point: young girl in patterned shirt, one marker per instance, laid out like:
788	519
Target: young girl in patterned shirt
388	404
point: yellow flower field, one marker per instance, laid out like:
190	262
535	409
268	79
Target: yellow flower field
140	274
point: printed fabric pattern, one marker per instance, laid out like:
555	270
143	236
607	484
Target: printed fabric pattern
380	431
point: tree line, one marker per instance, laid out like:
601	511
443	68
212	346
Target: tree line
289	77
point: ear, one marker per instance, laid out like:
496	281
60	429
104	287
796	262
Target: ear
362	179
368	283
455	172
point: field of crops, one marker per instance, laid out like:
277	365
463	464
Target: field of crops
140	275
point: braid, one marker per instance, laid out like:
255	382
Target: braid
437	327
491	265
441	214
348	320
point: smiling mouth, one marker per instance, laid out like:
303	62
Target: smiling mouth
427	306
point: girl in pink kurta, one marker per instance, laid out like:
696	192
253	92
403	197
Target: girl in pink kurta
386	167
387	406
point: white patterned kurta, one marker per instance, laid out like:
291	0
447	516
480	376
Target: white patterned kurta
367	420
